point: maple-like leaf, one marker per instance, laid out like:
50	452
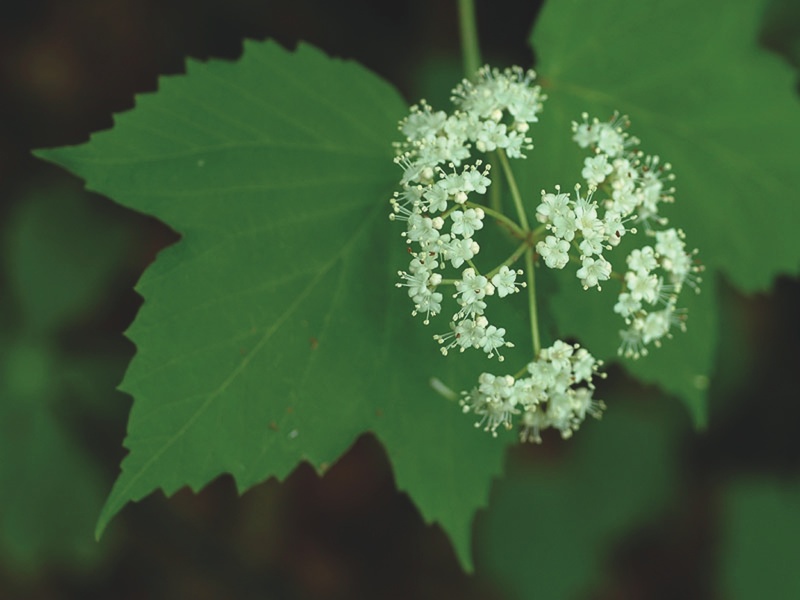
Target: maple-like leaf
272	332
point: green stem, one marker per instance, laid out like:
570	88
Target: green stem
512	186
472	62
469	37
537	345
521	372
496	190
510	223
509	261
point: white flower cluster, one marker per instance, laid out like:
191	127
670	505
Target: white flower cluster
492	113
444	174
655	277
634	186
557	393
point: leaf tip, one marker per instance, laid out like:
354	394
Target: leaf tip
102	522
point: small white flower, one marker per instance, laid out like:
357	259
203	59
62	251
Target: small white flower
554	251
417	283
543	373
592	242
552	205
423	229
584	133
643	259
493	340
476	181
565	225
533	422
422	123
466	223
460	251
429	303
516	143
423	263
632	345
614	227
452	183
669	244
495	407
498	387
626	305
643	286
584	365
610	140
656	325
491	136
559	413
504	281
594	271
680	268
473	287
413	170
626	199
596	169
559	354
436	196
586	213
583	404
625	174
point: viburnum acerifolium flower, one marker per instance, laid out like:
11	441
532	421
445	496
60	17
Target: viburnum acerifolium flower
445	161
557	393
442	171
633	187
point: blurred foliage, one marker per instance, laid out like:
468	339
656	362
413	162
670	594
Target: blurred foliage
760	543
552	524
59	255
780	30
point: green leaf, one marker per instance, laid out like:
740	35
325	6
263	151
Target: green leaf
550	527
272	333
700	93
761	540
